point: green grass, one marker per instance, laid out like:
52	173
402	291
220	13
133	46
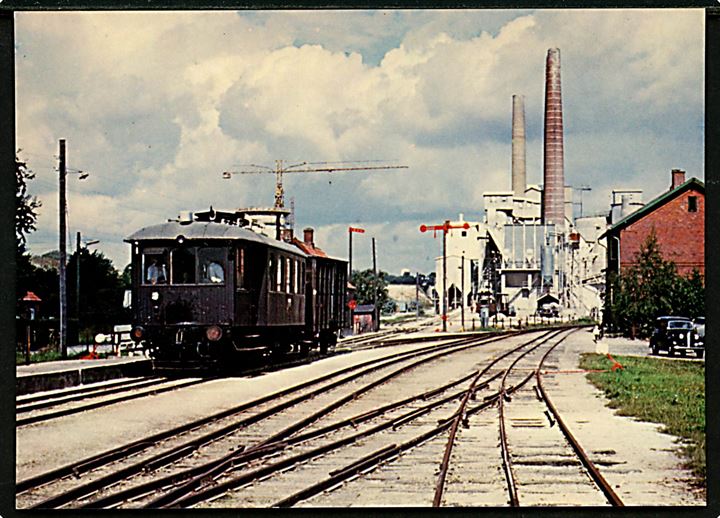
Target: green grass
671	393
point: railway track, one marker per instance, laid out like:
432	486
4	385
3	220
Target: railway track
141	456
347	421
38	408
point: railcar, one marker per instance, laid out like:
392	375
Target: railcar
208	293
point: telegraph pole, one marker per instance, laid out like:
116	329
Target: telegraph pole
63	252
77	283
375	294
462	289
417	295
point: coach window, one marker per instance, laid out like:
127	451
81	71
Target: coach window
271	273
182	266
240	268
212	265
279	272
288	275
154	266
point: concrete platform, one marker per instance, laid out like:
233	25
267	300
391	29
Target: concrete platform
43	376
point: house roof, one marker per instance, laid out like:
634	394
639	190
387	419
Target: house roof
655	204
309	249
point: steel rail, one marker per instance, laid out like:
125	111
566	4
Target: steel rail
386	453
32	397
216	468
504	450
460	413
181	493
257	452
190	446
85	465
595	474
98	404
60	398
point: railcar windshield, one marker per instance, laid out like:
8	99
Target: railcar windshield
184	265
154	266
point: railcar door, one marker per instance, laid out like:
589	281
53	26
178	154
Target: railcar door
250	262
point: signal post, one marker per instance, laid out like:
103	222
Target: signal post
444	227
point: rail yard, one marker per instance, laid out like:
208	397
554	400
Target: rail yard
472	419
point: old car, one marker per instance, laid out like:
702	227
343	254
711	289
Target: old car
676	335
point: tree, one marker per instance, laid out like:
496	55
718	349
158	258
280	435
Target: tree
101	292
25	219
365	283
651	288
25	205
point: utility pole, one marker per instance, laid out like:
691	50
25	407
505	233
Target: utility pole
417	295
351	230
462	289
375	288
63	252
78	255
444	227
77	284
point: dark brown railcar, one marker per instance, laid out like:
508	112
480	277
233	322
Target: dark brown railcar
206	291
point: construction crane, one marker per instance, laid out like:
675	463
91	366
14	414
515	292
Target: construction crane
281	169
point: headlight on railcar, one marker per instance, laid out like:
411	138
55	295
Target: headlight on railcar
213	333
137	333
155	296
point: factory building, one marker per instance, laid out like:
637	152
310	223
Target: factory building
528	250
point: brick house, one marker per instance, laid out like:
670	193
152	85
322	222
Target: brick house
678	219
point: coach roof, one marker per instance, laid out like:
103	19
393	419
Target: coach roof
172	230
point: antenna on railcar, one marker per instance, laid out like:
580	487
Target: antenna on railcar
281	169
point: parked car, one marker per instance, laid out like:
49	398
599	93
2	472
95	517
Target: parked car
676	335
699	325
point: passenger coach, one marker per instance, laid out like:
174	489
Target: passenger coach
208	292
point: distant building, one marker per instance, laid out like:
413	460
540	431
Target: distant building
678	219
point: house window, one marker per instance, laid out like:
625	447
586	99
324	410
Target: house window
692	203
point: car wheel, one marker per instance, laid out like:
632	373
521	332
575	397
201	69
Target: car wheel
671	352
700	354
654	349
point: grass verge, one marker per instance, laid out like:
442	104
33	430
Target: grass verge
671	393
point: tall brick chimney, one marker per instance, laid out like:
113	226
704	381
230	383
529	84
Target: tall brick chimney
678	178
308	237
519	181
553	206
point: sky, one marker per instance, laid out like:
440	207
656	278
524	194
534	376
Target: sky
156	105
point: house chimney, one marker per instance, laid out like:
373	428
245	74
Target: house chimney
308	237
553	206
678	178
518	145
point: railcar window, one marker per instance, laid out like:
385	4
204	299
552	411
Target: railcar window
287	275
154	266
272	266
182	266
212	265
240	268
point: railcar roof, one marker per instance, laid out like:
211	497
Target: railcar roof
207	230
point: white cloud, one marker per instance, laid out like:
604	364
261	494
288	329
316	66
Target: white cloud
157	105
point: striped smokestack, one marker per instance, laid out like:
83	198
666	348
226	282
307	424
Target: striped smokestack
518	145
553	209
